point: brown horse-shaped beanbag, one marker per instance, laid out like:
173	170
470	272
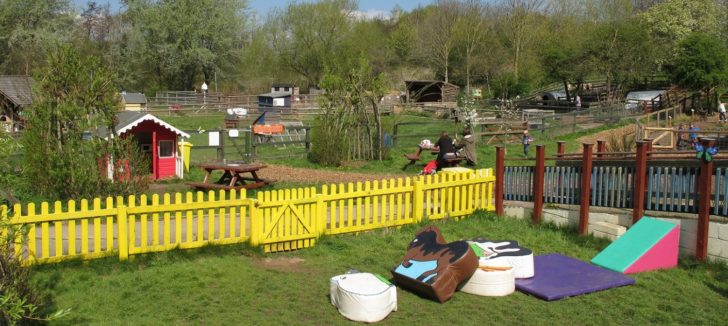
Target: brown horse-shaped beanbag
434	268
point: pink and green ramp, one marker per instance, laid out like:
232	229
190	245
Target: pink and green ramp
649	244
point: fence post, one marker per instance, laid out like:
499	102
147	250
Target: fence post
418	198
255	222
538	184
704	188
640	181
123	224
649	148
500	157
584	200
601	147
321	211
560	148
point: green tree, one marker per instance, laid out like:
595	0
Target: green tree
73	95
174	41
701	62
350	119
29	29
308	37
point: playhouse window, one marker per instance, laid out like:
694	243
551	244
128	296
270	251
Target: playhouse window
166	148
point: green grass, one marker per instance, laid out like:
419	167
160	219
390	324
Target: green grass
238	285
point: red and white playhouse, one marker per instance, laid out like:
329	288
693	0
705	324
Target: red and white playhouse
156	138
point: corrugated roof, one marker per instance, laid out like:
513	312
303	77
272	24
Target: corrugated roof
18	89
276	95
134	98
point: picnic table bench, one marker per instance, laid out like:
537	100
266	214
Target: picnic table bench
414	157
232	176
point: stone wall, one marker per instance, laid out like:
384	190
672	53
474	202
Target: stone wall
613	225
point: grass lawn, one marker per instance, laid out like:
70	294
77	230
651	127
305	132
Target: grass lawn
237	285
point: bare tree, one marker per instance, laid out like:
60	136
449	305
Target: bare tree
519	17
438	34
471	31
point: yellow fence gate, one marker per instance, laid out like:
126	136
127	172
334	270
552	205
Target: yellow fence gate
277	220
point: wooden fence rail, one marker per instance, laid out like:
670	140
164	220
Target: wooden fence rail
276	220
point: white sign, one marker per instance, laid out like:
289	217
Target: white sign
233	133
279	102
213	138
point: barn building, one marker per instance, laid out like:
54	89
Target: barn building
431	91
134	101
16	94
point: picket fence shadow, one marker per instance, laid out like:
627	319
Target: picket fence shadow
277	220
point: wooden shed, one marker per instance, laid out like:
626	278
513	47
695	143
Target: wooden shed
134	101
155	137
429	91
16	94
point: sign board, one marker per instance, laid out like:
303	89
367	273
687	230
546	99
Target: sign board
279	102
233	133
213	138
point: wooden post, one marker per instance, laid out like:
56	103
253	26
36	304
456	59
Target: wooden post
560	148
704	188
640	181
601	147
500	157
538	184
648	142
585	188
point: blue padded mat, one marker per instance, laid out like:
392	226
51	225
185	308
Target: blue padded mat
557	276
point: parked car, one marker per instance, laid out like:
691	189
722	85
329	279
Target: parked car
634	100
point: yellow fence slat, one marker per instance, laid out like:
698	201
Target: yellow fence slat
284	219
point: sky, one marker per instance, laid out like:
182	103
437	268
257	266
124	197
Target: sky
262	7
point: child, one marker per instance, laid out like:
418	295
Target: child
526	142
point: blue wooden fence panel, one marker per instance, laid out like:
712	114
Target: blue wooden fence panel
669	189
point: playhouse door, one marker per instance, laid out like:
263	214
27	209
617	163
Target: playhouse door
144	139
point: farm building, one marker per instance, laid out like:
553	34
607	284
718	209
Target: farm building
428	91
284	88
134	101
155	137
16	93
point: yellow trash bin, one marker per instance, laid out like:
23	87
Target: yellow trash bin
185	148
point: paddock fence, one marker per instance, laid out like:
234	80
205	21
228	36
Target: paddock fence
277	220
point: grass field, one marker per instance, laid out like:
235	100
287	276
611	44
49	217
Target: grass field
237	285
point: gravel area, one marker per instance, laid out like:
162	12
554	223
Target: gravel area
290	174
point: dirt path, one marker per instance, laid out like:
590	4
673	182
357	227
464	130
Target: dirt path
290	174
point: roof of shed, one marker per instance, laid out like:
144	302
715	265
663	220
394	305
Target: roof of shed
18	89
134	98
275	95
127	120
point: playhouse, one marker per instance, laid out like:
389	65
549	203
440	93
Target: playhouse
155	137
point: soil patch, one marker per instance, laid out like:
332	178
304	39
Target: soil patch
290	174
284	264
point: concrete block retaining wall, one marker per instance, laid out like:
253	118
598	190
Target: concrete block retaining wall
612	226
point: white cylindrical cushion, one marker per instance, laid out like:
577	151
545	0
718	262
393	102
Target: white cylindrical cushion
522	265
363	297
491	283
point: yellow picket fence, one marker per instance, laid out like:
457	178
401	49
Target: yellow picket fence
278	220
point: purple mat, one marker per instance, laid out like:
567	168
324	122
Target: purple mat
559	276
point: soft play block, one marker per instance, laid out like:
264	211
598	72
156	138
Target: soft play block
648	245
434	268
557	276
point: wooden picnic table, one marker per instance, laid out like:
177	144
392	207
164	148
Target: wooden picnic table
233	176
413	158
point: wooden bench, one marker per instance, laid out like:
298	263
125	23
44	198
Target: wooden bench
412	158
